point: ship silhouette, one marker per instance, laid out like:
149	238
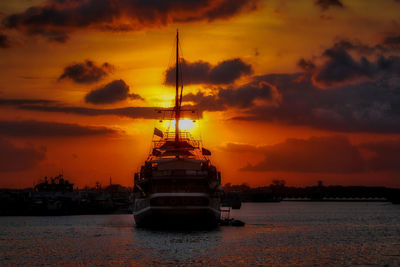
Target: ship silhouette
177	185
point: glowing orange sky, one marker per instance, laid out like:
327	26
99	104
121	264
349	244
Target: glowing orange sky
271	37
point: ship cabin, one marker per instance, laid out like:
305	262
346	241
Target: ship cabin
181	167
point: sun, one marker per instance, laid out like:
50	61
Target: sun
185	124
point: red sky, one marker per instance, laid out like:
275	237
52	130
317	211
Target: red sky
296	90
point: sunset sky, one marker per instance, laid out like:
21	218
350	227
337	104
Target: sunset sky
297	90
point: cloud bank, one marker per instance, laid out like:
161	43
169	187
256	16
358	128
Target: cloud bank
244	96
340	91
330	154
43	105
32	128
55	19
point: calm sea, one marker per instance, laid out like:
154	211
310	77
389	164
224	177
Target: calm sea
276	234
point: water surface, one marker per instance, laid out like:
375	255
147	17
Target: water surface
276	234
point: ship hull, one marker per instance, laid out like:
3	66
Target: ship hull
148	214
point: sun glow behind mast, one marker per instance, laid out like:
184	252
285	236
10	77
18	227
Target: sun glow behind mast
177	123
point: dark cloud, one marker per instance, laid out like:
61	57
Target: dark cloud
306	65
226	9
203	101
130	112
194	73
14	158
4	41
393	41
326	4
201	72
54	106
333	154
387	66
33	128
390	43
86	72
371	106
228	71
58	18
21	102
342	93
112	92
341	67
244	96
358	46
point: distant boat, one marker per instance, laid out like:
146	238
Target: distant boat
52	196
56	184
177	185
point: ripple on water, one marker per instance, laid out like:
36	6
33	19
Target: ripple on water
278	234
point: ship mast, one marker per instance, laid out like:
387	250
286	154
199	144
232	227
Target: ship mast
177	102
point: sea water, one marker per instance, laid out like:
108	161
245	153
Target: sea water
276	234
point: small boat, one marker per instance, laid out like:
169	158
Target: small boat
177	186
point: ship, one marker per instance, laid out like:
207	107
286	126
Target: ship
56	184
52	196
177	186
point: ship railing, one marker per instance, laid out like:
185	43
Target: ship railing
182	135
194	143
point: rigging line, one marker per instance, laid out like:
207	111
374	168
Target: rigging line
171	67
177	107
171	59
181	73
166	79
177	70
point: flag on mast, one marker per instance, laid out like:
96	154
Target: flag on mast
158	132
